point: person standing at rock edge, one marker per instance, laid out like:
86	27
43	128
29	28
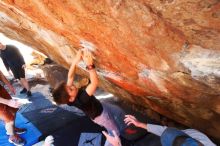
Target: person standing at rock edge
14	61
67	93
8	109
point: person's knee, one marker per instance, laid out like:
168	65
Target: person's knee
8	117
22	79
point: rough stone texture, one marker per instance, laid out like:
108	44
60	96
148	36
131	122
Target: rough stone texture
54	74
159	53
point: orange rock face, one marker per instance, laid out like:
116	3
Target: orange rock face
158	53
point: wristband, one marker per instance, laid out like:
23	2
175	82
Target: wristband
90	67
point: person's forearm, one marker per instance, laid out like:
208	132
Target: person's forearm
3	79
93	77
71	73
142	125
156	129
3	101
72	69
152	128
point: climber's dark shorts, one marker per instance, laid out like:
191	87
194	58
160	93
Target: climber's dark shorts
18	72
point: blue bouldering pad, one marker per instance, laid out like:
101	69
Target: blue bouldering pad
31	136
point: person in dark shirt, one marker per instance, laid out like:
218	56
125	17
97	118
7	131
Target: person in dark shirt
67	93
8	109
14	61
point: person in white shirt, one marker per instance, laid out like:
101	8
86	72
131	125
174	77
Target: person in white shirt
168	136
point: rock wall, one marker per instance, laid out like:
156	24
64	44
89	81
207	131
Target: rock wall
164	54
